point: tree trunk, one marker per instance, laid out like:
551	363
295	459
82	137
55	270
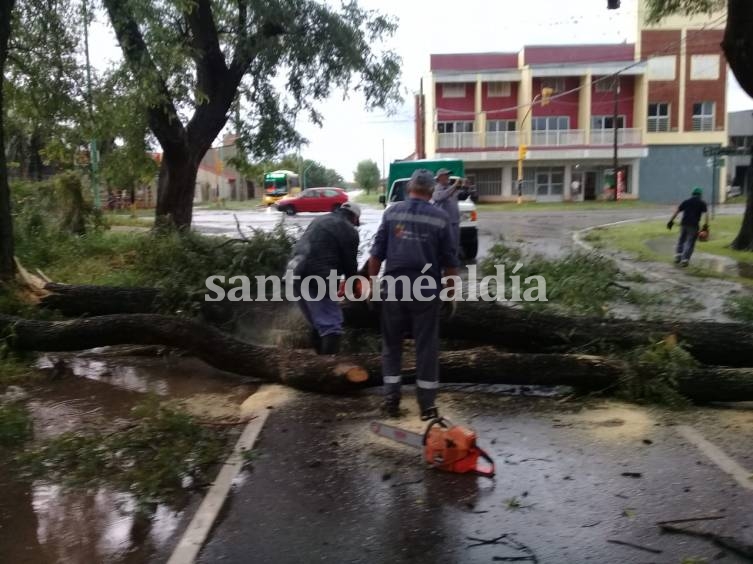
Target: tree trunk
738	49
744	239
738	42
7	267
175	188
481	323
338	375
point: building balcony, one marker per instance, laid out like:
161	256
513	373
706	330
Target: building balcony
458	140
492	140
624	137
502	139
558	138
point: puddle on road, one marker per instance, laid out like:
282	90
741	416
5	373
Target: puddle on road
43	522
715	263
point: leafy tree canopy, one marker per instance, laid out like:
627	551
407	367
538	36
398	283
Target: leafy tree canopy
367	175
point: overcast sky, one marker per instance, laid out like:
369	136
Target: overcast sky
350	134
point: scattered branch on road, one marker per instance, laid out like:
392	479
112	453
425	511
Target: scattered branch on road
636	546
691	519
238	228
738	547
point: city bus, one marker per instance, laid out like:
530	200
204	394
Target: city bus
278	184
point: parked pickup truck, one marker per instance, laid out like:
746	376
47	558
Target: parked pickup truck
397	182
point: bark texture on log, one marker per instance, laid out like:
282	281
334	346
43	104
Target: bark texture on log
298	369
482	323
337	375
99	300
723	344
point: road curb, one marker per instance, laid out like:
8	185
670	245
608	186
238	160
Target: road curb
198	529
577	238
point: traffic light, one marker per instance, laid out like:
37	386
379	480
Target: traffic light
546	94
522	152
613	4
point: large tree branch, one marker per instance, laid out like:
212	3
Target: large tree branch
163	116
738	42
210	61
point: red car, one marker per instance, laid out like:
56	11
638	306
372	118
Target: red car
313	200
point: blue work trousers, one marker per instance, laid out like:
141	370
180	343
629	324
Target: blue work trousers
324	315
422	320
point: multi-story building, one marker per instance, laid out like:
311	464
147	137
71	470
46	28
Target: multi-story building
666	94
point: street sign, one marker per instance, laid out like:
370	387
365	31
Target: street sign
716	151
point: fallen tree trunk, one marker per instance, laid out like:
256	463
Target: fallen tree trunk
100	300
723	344
304	370
483	323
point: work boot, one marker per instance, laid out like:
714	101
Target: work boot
330	344
684	263
678	258
316	341
429	414
391	407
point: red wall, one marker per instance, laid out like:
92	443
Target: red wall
548	54
664	43
602	103
564	106
489	105
705	42
463	107
473	61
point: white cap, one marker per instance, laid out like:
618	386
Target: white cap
353	208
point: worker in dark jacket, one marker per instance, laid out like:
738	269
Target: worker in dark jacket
329	243
692	210
415	240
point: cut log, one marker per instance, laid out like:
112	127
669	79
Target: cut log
328	374
480	323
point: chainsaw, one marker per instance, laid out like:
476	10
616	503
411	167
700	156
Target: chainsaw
447	447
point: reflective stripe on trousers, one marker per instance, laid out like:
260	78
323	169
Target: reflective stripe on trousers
422	320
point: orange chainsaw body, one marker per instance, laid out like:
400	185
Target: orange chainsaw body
453	448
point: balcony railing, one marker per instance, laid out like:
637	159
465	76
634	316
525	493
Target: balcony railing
458	140
624	136
551	138
558	137
502	139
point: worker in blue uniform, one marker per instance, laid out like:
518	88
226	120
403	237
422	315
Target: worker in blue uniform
415	239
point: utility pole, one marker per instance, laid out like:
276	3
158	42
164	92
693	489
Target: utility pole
616	89
93	150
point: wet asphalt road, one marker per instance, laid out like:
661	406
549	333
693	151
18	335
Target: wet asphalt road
547	232
323	489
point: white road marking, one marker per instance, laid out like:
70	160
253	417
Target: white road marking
717	456
198	529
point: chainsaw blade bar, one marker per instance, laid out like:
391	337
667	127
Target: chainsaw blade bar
409	438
